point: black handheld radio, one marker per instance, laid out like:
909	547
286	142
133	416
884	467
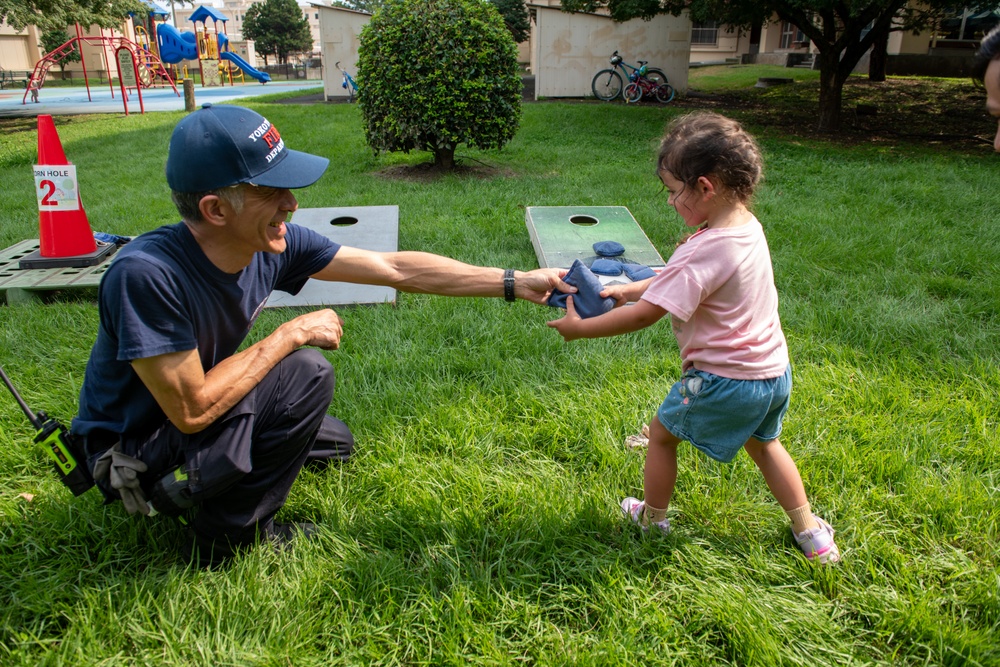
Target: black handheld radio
58	443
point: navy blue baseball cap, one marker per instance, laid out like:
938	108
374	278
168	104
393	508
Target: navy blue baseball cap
220	145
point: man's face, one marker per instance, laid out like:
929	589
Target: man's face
992	83
261	224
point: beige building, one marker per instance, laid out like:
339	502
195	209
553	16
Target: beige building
19	49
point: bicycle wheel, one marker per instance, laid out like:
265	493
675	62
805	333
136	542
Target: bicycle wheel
607	85
656	76
633	93
664	93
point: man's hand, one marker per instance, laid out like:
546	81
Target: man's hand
568	327
536	286
320	328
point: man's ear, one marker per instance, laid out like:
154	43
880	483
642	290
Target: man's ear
213	210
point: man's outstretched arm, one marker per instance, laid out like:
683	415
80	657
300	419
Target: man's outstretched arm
427	273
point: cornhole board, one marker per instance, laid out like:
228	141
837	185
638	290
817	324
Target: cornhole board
562	234
367	227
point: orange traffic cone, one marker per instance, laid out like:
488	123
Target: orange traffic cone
65	237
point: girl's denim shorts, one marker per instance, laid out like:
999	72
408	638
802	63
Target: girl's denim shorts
718	415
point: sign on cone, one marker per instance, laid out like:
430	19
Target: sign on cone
62	222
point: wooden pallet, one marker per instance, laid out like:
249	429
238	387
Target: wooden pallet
27	285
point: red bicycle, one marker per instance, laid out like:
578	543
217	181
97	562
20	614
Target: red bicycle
642	85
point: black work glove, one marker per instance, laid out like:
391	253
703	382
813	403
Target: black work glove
122	472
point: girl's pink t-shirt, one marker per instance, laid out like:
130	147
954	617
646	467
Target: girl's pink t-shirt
719	290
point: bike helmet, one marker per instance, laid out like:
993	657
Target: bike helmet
615	59
642	70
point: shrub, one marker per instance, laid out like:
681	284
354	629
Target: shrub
433	74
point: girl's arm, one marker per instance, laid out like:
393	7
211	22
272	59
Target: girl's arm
613	323
626	293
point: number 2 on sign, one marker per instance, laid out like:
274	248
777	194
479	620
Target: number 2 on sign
47	199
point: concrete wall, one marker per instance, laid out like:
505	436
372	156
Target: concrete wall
340	30
568	49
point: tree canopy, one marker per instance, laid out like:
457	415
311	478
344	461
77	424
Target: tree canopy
57	14
842	32
278	29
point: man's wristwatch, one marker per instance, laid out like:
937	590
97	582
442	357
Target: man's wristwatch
508	285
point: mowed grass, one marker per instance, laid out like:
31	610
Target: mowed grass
478	522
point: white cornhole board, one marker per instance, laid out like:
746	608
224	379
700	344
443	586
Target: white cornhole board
367	227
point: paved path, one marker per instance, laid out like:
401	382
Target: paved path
59	101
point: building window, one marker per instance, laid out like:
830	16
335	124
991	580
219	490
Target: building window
705	33
968	24
791	37
316	15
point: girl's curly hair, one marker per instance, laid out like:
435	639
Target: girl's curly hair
707	144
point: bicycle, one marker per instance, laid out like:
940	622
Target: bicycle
347	83
607	84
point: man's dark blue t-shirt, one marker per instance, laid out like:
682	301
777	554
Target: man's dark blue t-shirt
161	294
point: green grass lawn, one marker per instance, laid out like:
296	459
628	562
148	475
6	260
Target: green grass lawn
478	522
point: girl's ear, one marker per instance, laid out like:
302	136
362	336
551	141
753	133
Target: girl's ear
706	187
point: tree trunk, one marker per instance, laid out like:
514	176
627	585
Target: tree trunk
444	158
878	57
831	93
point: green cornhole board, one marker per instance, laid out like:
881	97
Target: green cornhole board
562	234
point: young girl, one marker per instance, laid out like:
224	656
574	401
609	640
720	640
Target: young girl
719	290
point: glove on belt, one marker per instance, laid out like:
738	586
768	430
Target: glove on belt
122	472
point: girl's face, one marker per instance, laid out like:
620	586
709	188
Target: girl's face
687	201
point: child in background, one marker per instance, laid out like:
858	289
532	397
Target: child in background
719	290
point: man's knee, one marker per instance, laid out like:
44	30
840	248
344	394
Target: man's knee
307	368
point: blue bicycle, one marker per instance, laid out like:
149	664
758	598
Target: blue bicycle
608	84
347	83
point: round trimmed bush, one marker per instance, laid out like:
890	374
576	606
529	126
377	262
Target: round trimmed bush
433	74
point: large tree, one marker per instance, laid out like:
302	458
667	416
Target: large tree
515	17
841	30
278	29
57	14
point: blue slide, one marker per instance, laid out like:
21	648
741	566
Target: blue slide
263	77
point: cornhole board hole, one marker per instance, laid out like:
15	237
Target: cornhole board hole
367	227
562	234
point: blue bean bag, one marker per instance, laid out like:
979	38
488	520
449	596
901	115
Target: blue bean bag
587	301
609	248
606	267
637	272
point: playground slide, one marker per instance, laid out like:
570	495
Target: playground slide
175	45
263	77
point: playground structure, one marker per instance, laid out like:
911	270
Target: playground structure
169	46
209	46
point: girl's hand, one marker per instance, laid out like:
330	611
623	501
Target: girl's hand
616	292
569	326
